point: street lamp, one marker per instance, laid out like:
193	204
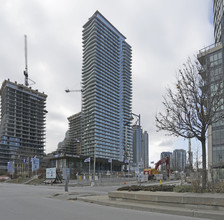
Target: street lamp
125	145
94	161
137	123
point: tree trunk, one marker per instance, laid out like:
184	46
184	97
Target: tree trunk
204	171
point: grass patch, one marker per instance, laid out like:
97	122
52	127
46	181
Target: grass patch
36	181
19	179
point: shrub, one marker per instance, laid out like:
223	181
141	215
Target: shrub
153	188
196	186
183	188
219	187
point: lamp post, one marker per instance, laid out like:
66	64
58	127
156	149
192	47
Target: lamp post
111	167
136	125
125	146
94	163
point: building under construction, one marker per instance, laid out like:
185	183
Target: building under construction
22	126
72	143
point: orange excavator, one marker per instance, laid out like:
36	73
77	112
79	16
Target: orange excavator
164	160
151	172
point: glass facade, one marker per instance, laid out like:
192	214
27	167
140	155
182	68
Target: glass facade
137	146
215	75
179	160
106	90
145	149
218	19
211	60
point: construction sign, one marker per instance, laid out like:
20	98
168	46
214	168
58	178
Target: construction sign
35	164
11	167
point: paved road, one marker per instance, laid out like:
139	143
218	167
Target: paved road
24	202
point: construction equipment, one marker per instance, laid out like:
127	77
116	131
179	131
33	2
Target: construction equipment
152	172
68	90
162	161
26	66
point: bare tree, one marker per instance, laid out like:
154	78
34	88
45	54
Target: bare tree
191	107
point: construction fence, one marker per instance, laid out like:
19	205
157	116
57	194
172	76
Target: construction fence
103	179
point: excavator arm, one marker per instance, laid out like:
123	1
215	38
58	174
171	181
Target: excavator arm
162	161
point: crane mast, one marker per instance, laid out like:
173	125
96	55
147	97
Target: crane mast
26	65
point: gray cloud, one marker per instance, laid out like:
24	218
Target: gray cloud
166	143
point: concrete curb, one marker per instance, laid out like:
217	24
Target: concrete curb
104	200
182	200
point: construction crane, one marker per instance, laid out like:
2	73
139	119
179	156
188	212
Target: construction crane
75	90
26	66
68	90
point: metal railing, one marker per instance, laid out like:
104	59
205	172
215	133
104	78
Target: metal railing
205	49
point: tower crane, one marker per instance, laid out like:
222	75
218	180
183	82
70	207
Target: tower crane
26	66
75	90
68	90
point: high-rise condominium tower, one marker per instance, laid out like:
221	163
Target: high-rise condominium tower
140	148
145	149
179	159
218	20
211	59
72	141
106	91
137	147
22	127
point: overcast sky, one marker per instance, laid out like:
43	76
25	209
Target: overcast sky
162	33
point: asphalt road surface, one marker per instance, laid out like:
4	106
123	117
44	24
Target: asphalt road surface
25	202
